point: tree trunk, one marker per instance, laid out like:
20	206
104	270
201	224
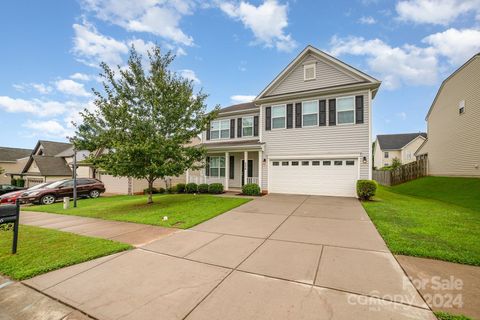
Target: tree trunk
150	187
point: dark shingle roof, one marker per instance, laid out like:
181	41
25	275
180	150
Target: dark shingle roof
52	166
238	107
397	141
52	148
12	154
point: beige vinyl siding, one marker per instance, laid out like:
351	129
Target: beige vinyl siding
251	114
411	148
11	167
453	144
319	140
326	76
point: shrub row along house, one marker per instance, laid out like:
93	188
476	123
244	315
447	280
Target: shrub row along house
307	132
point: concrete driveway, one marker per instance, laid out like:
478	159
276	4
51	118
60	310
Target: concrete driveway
277	257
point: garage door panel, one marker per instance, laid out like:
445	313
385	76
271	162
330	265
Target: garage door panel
329	180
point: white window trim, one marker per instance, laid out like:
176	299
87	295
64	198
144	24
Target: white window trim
308	66
336	112
219	167
303	113
220	129
247	117
284	106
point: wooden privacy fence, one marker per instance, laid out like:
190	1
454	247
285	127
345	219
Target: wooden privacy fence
404	173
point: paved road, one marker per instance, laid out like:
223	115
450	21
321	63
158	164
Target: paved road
277	257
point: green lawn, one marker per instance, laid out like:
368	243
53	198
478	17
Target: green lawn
427	227
447	316
42	250
183	210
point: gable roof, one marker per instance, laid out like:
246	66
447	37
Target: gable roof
52	166
51	148
397	141
12	154
447	79
323	56
238	107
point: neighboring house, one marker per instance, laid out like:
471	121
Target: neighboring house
401	146
453	124
307	132
12	161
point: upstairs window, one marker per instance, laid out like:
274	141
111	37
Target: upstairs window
310	113
309	72
247	126
346	110
385	154
220	129
278	117
461	107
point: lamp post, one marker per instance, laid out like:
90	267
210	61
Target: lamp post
74	178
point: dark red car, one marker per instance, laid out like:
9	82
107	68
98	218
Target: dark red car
86	187
11	197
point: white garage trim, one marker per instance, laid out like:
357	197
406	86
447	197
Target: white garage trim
316	156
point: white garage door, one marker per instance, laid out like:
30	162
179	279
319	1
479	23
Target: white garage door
330	177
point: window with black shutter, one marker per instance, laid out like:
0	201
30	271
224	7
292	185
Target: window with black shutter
232	128
289	116
268	118
255	126
322	113
359	109
332	112
239	127
298	115
208	132
232	167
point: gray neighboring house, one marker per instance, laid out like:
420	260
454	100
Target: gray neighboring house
307	132
12	161
401	146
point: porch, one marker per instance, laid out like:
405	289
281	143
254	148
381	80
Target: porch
232	169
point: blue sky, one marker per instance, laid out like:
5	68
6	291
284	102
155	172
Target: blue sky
232	49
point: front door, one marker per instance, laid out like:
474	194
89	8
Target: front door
250	170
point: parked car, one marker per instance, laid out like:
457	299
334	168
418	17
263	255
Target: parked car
86	187
6	188
11	197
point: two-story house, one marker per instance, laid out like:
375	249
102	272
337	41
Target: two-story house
307	132
401	146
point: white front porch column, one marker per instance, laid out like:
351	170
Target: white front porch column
245	167
227	170
260	164
187	176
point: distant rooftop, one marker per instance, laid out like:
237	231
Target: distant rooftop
397	141
239	107
12	154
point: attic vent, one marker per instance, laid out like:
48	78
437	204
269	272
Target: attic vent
309	72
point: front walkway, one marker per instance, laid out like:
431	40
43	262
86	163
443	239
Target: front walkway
277	257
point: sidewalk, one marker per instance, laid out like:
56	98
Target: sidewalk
132	233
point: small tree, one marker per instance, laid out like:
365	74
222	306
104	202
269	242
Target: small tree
144	121
396	163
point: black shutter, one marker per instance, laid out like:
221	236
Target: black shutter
232	167
207	167
359	109
208	131
332	112
232	128
298	115
239	127
289	116
268	118
255	126
322	113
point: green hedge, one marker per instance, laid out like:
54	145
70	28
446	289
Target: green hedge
203	188
215	188
251	189
191	187
180	188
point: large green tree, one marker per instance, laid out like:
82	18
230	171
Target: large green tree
144	120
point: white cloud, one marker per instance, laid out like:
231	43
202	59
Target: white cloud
402	115
239	98
47	128
442	12
159	17
395	65
39	87
34	106
80	76
367	20
71	87
190	75
457	45
91	47
267	22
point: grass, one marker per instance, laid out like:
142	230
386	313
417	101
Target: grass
448	316
42	250
427	227
183	210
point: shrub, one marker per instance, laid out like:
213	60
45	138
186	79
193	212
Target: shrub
251	189
215	188
180	187
20	183
396	163
191	187
172	189
13	182
161	190
203	188
146	191
366	189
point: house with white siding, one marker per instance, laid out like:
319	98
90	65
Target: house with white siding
307	132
